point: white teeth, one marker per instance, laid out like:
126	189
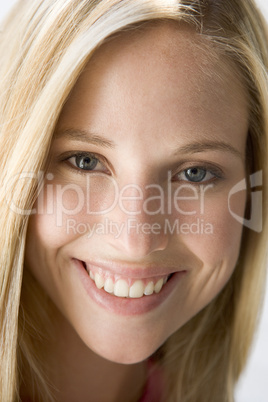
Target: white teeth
149	290
136	289
99	281
121	288
158	286
109	285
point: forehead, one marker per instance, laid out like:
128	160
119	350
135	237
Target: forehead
166	63
172	45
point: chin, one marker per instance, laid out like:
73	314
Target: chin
126	349
125	357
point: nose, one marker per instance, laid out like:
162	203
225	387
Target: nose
140	237
142	228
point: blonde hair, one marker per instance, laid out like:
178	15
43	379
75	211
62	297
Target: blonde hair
44	46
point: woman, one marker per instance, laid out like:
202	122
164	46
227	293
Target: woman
132	251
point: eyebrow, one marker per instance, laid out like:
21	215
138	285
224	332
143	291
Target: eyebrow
85	136
195	147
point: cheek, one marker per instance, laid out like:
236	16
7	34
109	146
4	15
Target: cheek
217	250
65	211
215	239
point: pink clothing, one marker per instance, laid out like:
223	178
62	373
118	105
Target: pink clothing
154	388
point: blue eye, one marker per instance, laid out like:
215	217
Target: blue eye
87	162
195	175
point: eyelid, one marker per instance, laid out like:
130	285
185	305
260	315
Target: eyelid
184	166
210	168
199	164
65	157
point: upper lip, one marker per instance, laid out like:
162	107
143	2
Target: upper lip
135	271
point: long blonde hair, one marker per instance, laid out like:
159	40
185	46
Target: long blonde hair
44	46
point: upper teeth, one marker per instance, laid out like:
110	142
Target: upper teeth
122	288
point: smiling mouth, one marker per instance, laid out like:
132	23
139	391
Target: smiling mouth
126	287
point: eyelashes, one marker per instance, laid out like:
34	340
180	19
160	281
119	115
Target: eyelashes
198	174
87	162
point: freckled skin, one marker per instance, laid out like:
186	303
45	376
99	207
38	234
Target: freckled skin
151	93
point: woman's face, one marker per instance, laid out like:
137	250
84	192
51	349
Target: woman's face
146	150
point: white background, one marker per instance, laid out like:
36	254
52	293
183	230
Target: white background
253	386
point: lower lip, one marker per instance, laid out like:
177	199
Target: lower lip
122	305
